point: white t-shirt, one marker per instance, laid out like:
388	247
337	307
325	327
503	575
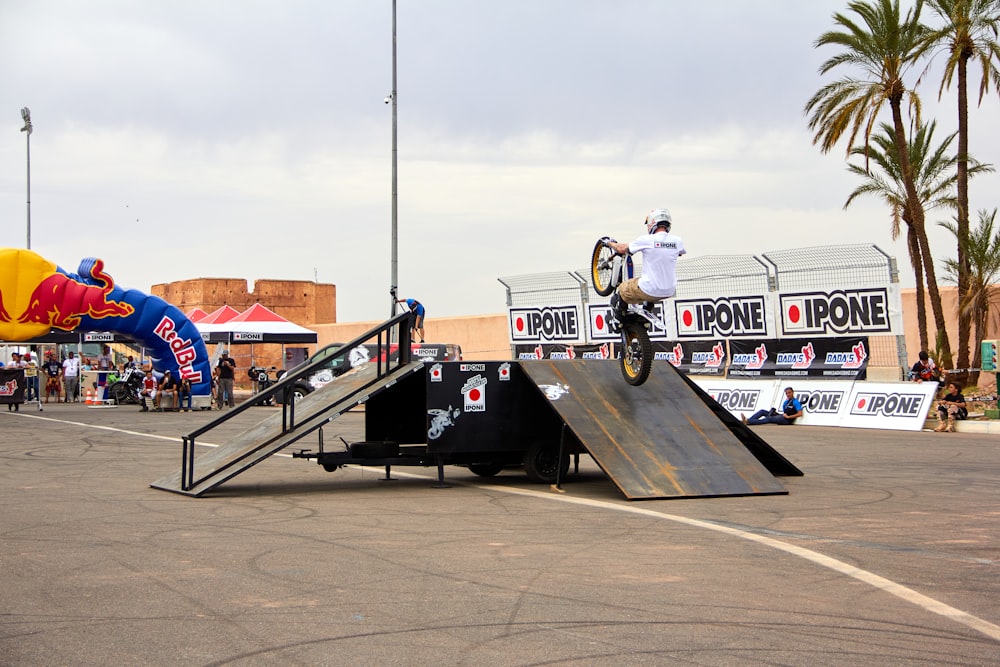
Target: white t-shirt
71	367
659	260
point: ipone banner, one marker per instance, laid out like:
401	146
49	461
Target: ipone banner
834	358
848	312
546	324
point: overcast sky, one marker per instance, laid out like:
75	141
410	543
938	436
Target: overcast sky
249	139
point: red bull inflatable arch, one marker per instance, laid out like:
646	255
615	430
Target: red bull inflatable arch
37	296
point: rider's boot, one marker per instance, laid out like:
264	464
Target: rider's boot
618	306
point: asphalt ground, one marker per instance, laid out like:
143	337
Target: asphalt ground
884	553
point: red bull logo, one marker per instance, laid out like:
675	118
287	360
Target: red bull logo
60	301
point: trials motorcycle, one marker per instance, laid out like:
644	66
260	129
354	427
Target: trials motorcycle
608	270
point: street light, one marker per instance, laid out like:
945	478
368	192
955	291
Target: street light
26	115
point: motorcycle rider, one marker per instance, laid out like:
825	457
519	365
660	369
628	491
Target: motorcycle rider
660	250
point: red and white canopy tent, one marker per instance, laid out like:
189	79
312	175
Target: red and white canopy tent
256	324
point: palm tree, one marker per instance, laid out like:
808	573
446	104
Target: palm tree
934	172
969	31
982	251
884	46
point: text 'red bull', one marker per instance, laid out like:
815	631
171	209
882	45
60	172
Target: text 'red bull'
182	349
60	301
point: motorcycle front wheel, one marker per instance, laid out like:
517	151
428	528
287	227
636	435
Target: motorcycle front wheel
637	353
120	393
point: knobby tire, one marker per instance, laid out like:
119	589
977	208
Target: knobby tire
600	269
637	353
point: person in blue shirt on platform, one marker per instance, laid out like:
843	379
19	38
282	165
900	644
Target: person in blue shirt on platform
418	310
791	410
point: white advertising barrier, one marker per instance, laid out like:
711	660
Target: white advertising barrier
903	405
900	406
740	397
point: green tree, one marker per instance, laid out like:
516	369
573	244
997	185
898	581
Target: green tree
935	177
884	45
968	32
982	252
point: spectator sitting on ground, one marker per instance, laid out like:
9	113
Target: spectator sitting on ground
791	409
184	391
951	408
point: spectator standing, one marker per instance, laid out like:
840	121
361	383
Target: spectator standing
104	362
227	374
71	377
53	376
791	409
148	390
215	388
30	377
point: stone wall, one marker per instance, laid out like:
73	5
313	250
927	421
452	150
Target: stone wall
301	301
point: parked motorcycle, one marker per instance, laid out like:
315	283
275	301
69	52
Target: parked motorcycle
126	390
262	378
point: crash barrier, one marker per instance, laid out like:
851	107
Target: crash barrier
296	418
900	406
807	294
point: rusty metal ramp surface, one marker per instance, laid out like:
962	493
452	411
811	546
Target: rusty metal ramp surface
657	440
270	435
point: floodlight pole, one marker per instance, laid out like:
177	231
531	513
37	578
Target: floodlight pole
26	116
395	193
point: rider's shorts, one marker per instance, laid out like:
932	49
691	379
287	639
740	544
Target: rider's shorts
630	293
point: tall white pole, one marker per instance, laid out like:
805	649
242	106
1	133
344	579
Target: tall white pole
394	277
26	116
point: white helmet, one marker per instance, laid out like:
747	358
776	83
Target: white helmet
657	217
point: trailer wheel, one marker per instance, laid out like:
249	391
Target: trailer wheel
490	469
331	467
541	462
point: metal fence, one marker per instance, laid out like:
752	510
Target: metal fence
825	268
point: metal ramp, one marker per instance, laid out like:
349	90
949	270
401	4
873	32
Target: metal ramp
296	418
658	440
271	435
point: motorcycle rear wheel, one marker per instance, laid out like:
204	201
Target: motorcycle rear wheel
637	353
